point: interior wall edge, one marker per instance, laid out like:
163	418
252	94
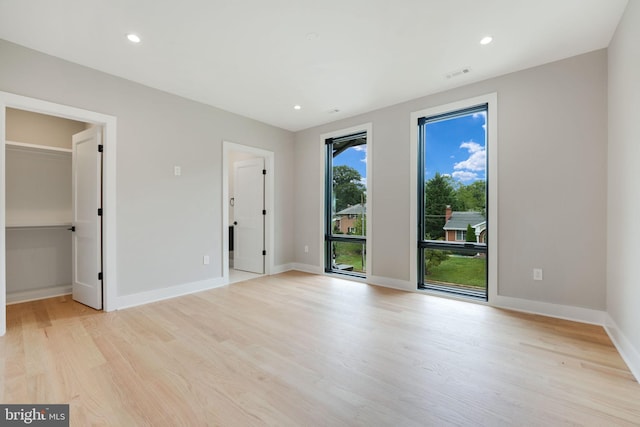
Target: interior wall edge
628	352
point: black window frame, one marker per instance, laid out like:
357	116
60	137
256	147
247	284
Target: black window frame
458	247
330	238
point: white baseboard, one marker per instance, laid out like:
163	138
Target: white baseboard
403	285
127	301
277	269
37	294
629	353
567	312
306	268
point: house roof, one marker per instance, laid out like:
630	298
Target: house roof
460	220
356	210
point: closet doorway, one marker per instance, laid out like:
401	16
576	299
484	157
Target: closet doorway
248	220
57	169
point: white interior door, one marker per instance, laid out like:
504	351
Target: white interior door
248	239
87	199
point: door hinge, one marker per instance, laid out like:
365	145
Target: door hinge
100	148
264	212
264	252
264	171
100	276
99	211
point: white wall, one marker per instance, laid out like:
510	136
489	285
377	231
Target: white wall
623	253
552	133
165	224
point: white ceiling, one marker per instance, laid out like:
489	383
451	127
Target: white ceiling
259	58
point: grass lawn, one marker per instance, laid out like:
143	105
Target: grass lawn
460	270
348	253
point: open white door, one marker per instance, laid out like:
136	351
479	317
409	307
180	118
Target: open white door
87	219
248	240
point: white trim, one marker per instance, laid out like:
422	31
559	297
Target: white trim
627	351
37	294
307	268
269	162
401	285
492	168
368	128
141	298
567	312
109	125
282	268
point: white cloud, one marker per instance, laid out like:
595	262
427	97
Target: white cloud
478	159
481	115
362	149
465	175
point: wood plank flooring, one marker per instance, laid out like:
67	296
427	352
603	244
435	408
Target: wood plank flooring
302	350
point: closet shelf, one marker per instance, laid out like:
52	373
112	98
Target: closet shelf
37	148
37	226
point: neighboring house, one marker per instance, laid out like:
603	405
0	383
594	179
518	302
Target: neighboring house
345	220
455	227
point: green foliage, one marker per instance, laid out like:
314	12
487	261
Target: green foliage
348	189
438	193
433	258
471	234
442	190
472	197
360	225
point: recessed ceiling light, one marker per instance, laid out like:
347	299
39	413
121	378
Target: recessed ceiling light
486	40
133	38
297	107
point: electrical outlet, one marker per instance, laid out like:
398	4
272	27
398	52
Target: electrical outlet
537	274
205	260
306	249
177	171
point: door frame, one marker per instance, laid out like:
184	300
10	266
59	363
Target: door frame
108	124
269	201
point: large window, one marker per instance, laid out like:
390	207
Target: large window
345	204
452	202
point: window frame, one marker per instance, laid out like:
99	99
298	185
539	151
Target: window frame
492	235
326	225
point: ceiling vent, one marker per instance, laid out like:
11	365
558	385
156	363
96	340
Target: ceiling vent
460	72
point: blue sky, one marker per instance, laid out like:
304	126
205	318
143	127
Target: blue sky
356	157
457	147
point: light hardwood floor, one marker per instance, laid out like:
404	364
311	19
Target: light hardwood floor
303	350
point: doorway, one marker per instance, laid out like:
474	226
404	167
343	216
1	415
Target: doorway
108	126
248	217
